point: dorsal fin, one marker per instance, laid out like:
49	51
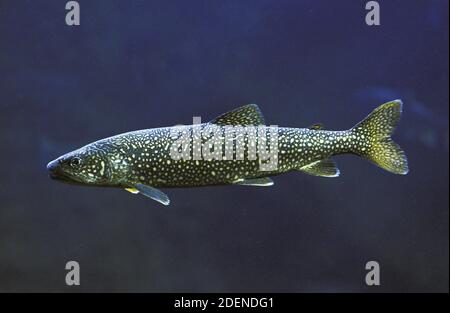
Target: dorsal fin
317	126
249	114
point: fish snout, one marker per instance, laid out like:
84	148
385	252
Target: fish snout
53	168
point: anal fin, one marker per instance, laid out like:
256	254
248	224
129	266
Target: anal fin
324	168
260	182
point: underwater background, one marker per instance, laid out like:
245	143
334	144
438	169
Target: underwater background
143	64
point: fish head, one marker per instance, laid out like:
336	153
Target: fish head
85	166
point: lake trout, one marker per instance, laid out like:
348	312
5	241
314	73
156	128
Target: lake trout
231	149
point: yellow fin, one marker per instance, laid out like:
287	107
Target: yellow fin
132	190
374	138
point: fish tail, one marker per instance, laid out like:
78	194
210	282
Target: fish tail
373	138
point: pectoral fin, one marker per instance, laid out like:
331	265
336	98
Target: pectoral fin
324	168
261	182
150	192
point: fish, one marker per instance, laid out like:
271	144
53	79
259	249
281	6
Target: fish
244	151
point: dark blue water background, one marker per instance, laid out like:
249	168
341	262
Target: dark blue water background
143	64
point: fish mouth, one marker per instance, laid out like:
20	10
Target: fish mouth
60	177
56	173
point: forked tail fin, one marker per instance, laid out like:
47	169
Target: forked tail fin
373	138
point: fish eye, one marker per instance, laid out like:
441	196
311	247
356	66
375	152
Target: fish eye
75	162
